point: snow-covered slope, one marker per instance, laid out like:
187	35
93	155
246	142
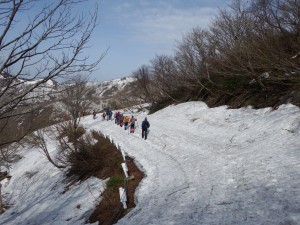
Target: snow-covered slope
37	195
202	166
215	166
109	88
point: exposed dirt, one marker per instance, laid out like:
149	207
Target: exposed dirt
110	209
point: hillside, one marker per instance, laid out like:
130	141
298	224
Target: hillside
42	106
202	165
106	92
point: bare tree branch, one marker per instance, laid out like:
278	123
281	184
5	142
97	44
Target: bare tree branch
39	45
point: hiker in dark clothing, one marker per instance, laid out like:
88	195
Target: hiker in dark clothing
145	126
116	117
109	115
132	124
121	120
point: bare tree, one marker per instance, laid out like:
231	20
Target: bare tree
76	99
1	202
192	56
231	35
143	76
38	47
38	139
165	76
252	38
250	51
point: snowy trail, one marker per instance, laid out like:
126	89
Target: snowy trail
214	166
159	183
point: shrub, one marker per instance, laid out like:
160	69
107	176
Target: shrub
94	155
87	160
115	182
66	129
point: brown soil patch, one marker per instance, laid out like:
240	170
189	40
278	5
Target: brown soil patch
110	209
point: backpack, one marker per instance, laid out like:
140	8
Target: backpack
145	124
132	121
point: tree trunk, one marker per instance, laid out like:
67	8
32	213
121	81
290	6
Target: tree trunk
1	203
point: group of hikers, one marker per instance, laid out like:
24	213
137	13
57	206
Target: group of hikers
128	122
131	123
107	115
121	120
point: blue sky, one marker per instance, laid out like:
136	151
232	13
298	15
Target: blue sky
137	30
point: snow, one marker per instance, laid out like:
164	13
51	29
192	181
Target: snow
120	82
48	83
37	195
202	166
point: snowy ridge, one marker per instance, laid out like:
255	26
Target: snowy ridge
120	82
202	165
115	85
39	94
49	83
105	92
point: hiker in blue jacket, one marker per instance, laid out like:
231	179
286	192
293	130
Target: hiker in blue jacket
145	126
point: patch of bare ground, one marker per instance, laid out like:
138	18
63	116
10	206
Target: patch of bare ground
110	209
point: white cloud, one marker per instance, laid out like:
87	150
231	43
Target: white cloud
162	26
121	7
